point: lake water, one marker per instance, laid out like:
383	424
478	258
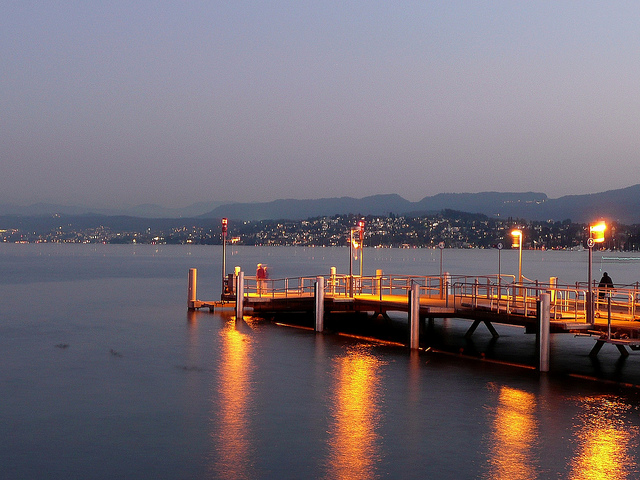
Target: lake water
105	374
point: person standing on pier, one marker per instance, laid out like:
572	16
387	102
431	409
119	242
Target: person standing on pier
261	276
605	284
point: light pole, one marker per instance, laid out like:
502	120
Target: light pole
357	245
596	235
499	271
361	230
442	285
517	242
224	255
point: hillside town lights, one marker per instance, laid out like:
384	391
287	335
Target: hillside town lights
596	235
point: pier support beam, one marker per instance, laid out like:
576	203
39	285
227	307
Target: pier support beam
475	325
544	314
414	316
191	292
319	297
240	295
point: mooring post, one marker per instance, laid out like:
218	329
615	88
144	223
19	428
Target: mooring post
319	297
332	281
191	292
378	283
414	316
239	295
544	314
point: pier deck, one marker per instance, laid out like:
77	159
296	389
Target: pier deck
482	300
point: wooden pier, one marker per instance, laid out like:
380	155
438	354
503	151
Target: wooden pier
540	308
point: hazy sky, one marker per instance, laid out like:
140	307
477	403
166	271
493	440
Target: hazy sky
119	103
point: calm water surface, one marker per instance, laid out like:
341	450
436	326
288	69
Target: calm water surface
105	374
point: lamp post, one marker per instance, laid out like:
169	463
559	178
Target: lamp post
351	262
224	254
499	272
357	244
361	231
517	242
596	235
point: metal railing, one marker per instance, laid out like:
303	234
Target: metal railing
500	294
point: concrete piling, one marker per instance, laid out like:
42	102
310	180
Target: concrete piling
544	315
414	316
319	303
239	295
191	291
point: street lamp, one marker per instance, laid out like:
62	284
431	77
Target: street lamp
361	231
596	235
356	244
517	242
224	255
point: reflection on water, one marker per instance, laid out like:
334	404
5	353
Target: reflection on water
233	453
513	436
353	441
605	437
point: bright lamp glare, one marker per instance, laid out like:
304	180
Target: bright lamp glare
597	232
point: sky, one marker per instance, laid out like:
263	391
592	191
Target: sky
123	103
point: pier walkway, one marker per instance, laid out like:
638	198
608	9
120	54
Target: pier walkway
484	300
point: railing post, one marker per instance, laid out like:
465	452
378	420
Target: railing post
475	293
319	303
414	316
447	283
608	315
191	291
240	295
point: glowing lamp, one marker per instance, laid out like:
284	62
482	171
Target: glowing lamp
517	238
597	232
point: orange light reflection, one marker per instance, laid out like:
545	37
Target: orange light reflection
604	441
353	440
513	436
234	389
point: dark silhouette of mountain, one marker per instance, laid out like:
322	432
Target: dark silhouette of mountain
143	211
622	205
488	203
301	209
492	204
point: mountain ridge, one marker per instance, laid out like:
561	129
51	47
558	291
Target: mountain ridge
622	205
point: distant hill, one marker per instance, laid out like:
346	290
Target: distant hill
142	211
488	203
622	205
301	209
